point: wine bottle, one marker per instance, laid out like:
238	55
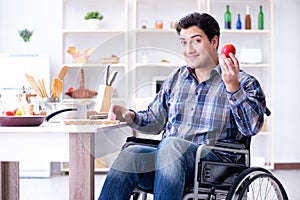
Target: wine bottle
260	18
239	22
227	18
247	18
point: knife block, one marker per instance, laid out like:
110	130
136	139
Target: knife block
104	98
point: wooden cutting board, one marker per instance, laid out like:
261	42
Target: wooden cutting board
89	121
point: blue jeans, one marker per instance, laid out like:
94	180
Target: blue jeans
163	170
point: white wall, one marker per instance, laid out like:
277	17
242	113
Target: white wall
286	81
42	16
45	18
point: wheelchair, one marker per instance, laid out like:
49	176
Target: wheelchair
224	180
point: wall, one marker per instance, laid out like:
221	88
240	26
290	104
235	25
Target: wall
286	81
45	18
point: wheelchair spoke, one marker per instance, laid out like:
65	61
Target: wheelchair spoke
262	188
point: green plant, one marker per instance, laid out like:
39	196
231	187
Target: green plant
25	34
93	15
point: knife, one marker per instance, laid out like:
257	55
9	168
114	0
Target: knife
112	78
107	74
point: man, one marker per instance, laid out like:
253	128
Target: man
210	98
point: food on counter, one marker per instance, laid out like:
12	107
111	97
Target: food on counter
70	89
19	112
9	113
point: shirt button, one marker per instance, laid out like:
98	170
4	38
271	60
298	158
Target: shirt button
192	109
197	93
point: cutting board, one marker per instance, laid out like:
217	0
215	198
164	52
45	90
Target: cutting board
89	121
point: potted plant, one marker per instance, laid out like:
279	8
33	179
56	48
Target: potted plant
25	34
93	18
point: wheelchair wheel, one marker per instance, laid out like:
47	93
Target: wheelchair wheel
257	183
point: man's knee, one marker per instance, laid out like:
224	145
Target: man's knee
175	143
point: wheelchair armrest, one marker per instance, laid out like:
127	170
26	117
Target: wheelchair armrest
230	145
141	141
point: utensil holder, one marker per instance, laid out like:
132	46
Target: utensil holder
104	98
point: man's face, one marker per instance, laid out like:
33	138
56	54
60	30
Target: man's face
196	47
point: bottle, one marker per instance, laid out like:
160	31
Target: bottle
260	18
239	22
247	18
227	18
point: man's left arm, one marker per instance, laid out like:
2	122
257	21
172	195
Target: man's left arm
246	97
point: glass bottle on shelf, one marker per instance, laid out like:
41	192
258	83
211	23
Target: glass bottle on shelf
247	18
260	18
239	22
227	18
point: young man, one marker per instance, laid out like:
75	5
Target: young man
210	98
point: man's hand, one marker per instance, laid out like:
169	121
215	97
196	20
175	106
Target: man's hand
230	70
117	112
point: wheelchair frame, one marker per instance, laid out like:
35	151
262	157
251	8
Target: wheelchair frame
240	176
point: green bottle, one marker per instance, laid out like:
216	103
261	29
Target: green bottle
260	18
227	18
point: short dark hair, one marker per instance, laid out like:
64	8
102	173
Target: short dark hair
204	21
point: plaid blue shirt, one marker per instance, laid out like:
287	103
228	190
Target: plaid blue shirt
197	112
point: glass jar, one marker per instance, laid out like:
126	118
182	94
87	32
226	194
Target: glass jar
158	24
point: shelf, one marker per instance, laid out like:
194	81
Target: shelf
140	65
153	30
254	65
65	31
250	65
238	1
243	31
74	65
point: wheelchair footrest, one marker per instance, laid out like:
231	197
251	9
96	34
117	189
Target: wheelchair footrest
221	175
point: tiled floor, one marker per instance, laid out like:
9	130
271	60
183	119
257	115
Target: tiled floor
56	187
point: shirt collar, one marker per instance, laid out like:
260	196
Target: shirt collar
216	71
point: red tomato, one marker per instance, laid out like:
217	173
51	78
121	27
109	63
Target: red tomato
70	89
9	113
228	48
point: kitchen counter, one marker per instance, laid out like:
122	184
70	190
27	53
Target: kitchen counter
54	142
